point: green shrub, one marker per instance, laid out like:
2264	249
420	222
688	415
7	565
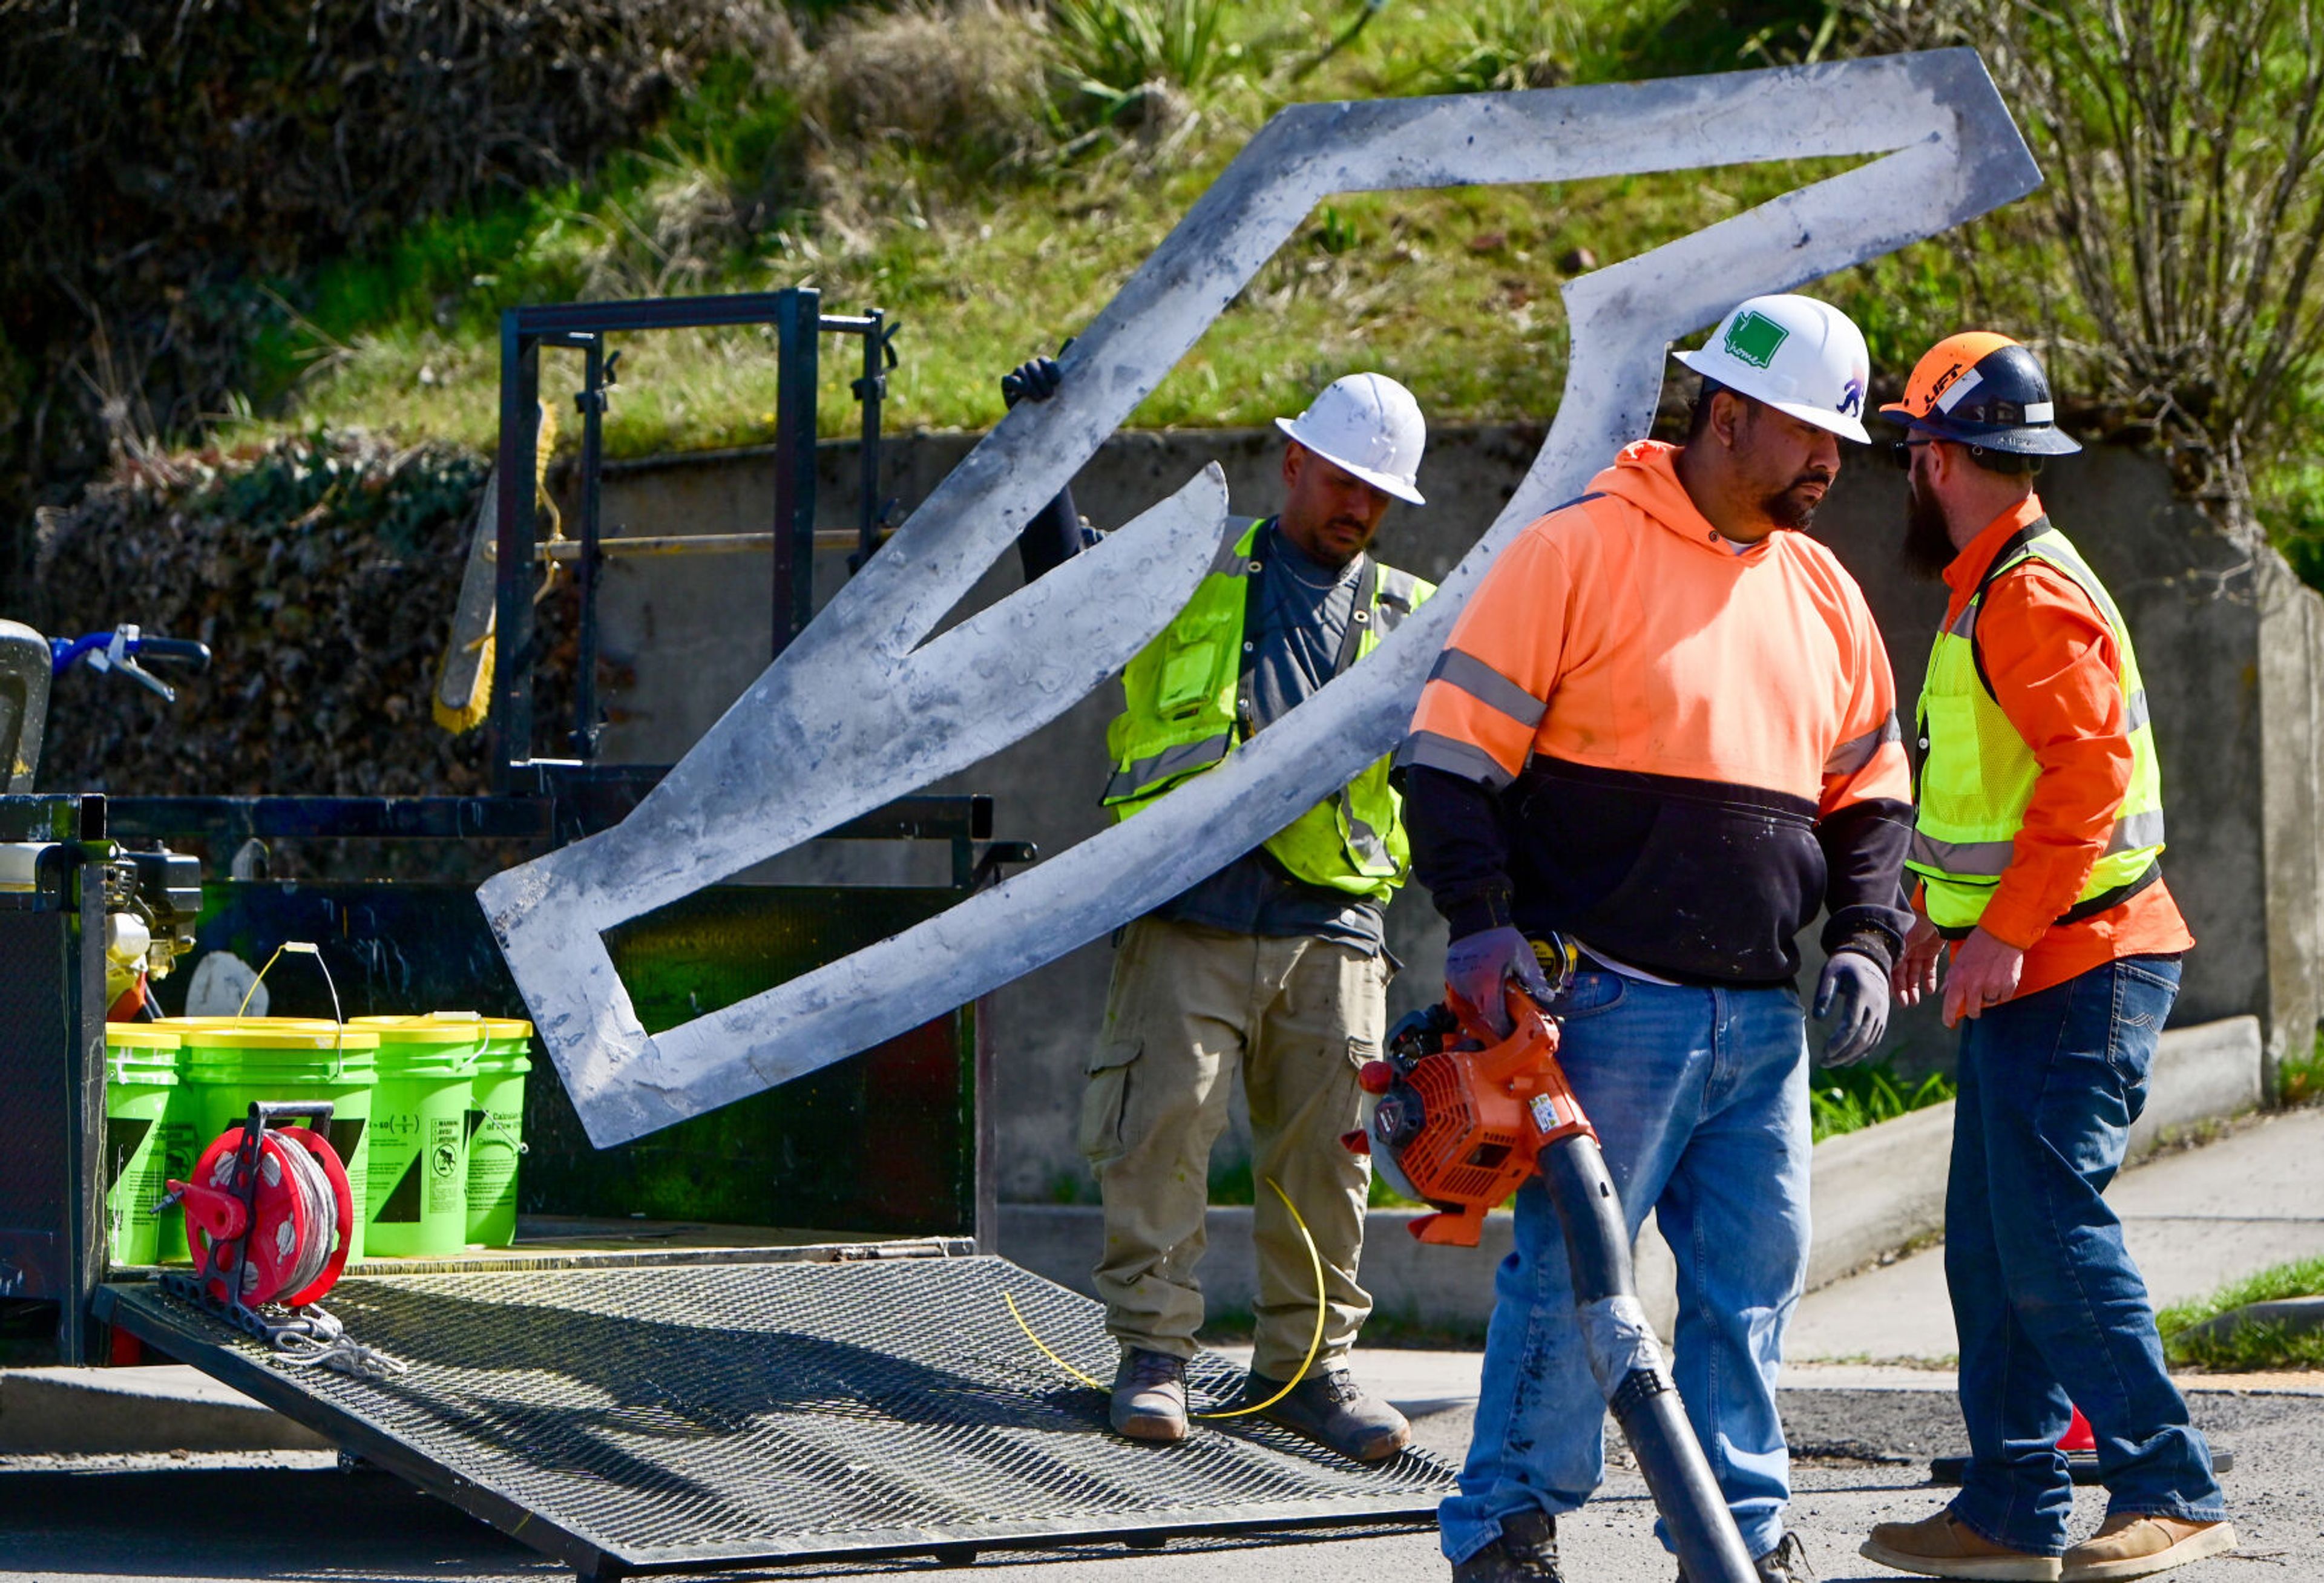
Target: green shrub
163	162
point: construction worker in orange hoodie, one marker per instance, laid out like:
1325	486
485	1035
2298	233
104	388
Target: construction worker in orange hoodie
1664	730
2037	848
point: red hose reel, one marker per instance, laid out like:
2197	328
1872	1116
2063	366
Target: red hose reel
269	1211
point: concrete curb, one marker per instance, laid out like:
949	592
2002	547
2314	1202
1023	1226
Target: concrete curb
2298	1316
1872	1193
66	1411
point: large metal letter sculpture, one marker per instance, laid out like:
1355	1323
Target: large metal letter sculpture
856	712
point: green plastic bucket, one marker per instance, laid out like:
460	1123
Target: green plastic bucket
495	1118
141	1082
283	1059
497	1131
420	1134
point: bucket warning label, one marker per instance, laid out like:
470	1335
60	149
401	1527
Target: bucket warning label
419	1169
447	1162
491	1155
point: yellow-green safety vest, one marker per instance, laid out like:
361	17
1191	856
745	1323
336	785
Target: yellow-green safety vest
1977	774
1190	702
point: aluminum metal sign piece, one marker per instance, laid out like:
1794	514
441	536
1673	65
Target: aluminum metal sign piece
861	709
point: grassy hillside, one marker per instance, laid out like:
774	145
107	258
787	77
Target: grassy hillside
990	174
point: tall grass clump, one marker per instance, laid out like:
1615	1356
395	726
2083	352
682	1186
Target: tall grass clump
2247	1345
1853	1098
1498	45
1113	49
964	83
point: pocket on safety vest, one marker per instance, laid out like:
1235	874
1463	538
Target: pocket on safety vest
1952	778
1194	659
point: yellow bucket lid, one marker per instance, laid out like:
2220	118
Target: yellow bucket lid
312	1035
494	1027
140	1035
420	1030
187	1025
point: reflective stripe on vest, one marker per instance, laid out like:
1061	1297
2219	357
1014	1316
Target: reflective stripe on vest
1190	702
1169	764
1976	776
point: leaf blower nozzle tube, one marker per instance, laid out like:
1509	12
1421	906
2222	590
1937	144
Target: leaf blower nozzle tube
1628	1360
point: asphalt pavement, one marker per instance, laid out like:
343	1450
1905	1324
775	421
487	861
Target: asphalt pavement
293	1515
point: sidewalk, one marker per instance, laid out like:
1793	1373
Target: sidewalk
2193	1220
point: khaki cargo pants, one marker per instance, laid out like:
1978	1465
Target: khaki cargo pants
1188	1008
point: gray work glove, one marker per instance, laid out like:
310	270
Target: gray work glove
1854	993
1035	380
1478	965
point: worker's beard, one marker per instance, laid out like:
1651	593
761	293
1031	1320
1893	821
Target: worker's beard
1928	548
1792	507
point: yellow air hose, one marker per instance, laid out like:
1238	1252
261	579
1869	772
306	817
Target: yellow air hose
1315	1345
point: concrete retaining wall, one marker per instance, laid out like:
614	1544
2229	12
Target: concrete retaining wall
1872	1193
2232	646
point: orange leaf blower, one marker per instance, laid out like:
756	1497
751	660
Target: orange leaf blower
1460	1119
1460	1116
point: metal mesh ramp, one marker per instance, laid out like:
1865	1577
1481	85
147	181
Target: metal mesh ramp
682	1416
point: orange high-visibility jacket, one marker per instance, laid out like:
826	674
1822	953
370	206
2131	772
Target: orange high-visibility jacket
1671	746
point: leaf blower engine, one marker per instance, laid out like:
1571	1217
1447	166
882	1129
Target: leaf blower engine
1459	1117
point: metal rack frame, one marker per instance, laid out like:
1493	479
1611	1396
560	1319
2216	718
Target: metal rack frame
799	325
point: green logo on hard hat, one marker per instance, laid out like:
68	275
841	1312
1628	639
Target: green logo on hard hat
1754	339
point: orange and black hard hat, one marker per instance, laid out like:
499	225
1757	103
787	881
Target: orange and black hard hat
1983	390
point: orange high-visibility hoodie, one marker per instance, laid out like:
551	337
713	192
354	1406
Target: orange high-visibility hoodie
1671	746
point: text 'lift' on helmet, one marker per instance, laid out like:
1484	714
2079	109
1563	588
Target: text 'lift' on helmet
1983	390
1801	356
1370	426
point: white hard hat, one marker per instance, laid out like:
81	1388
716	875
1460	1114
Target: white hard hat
1800	356
1370	425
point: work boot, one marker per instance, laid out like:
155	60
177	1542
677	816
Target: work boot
1331	1409
1941	1546
1526	1552
1786	1563
2132	1544
1149	1396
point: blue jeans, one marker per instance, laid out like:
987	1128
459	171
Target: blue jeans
2048	1306
1700	1097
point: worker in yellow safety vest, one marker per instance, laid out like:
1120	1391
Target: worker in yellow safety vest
1277	966
2038	842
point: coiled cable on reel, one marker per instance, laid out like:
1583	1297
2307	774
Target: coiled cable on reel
320	1208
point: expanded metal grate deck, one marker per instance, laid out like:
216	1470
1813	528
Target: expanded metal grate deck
679	1417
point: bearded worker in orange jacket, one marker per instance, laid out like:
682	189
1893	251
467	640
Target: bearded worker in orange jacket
2038	847
1665	729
